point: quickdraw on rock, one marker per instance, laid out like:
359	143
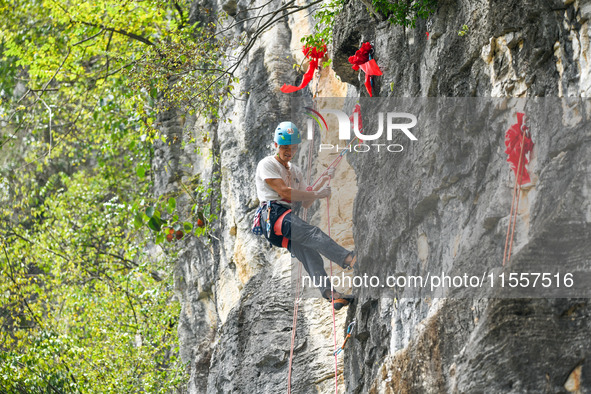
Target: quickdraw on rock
314	55
363	59
349	331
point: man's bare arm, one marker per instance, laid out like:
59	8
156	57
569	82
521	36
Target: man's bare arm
289	194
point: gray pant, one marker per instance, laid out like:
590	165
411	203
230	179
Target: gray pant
307	243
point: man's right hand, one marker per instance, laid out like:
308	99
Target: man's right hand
323	193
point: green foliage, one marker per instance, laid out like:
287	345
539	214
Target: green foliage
463	31
405	12
89	51
400	12
86	299
86	289
325	19
167	222
81	308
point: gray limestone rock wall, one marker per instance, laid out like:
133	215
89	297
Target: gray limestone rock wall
446	208
456	187
236	318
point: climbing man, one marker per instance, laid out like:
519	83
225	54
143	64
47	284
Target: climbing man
279	183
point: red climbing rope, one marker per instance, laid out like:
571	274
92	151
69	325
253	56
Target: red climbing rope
513	213
297	296
334	324
294	324
334	164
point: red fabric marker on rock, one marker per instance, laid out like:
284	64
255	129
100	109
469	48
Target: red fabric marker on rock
314	55
514	137
362	60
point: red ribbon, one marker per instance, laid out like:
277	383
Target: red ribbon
362	60
314	55
514	137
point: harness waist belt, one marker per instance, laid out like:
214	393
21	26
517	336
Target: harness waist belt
279	222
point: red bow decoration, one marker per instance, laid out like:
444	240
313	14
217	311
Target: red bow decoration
514	138
314	55
357	110
362	60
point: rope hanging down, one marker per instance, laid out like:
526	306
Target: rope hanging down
297	299
518	142
334	164
334	324
297	296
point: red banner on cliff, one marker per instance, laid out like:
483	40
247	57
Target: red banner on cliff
314	55
518	142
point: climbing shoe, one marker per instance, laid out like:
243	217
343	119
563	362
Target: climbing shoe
341	300
349	265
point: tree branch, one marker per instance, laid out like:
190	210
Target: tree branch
180	11
136	37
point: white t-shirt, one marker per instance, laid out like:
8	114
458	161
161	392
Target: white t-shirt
270	168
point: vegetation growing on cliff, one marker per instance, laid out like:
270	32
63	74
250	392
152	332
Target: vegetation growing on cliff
405	12
398	12
86	299
85	303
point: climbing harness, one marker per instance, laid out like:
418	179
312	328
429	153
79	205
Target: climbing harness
516	134
269	217
278	223
349	331
277	229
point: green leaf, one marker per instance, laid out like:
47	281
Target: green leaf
171	205
138	220
140	171
150	212
159	238
155	224
188	226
